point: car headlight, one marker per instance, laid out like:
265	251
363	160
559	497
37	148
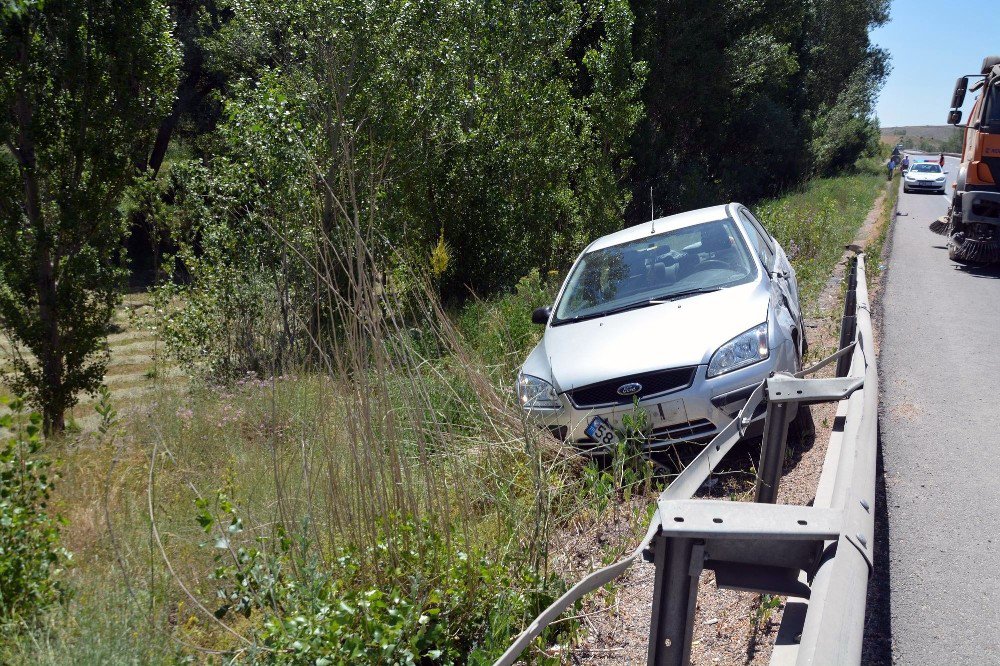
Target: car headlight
939	179
743	350
536	393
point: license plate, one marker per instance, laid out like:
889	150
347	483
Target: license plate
601	432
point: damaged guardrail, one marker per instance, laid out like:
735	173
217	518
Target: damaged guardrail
818	556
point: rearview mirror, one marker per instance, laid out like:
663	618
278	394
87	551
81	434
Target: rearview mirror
958	97
954	116
541	315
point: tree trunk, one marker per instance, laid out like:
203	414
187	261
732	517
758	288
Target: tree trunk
49	354
163	135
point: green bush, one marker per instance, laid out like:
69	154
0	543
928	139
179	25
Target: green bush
500	331
31	557
438	601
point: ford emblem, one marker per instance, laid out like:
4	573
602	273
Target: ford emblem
629	389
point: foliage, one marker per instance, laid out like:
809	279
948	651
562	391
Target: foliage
81	86
31	557
499	330
846	130
625	471
814	223
745	99
438	604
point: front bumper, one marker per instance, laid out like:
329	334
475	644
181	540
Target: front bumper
693	414
928	185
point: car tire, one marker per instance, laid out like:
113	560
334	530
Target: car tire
906	190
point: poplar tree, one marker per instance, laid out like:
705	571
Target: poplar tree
83	85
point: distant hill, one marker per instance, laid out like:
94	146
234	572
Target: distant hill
931	138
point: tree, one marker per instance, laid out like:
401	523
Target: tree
746	97
83	84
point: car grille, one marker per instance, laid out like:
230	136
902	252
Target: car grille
558	432
653	383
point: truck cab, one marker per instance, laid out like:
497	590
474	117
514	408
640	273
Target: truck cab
974	216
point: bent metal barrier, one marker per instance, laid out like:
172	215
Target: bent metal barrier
819	557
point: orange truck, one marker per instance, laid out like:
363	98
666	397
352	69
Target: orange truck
973	220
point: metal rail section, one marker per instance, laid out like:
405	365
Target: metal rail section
819	556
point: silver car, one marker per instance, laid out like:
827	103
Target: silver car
685	315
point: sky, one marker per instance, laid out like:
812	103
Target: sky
932	43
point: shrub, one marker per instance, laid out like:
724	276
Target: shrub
500	331
31	558
440	602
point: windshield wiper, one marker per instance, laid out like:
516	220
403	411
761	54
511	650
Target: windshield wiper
683	294
639	304
621	308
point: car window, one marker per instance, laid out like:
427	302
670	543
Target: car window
707	256
924	167
758	226
759	238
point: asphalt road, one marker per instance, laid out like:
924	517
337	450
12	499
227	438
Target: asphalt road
940	361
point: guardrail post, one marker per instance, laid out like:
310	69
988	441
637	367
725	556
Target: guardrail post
848	325
679	562
772	452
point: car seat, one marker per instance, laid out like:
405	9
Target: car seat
717	243
660	275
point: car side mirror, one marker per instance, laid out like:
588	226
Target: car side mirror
958	97
541	315
778	273
954	116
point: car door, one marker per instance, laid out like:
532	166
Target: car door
782	274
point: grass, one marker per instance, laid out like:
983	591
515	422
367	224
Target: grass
814	224
876	249
416	437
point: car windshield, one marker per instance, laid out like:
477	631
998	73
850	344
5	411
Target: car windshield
690	260
926	168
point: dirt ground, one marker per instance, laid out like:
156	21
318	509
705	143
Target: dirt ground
730	628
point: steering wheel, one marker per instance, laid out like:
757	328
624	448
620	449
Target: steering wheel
709	264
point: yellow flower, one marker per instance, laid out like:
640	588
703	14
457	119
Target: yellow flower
440	257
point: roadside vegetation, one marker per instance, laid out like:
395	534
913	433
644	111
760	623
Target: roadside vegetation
298	442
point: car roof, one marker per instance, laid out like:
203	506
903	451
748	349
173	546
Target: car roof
660	225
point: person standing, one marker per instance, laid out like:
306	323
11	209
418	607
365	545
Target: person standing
942	160
890	166
905	164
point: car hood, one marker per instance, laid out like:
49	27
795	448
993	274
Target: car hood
675	334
